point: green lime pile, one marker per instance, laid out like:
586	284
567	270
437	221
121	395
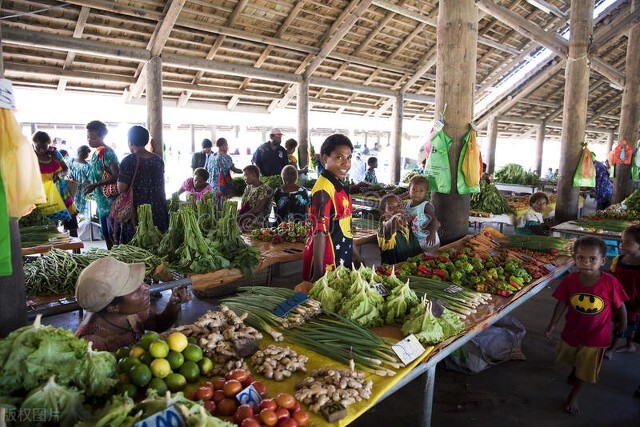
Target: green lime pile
155	364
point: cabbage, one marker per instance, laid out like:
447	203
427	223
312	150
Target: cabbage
98	369
423	324
54	402
399	304
328	297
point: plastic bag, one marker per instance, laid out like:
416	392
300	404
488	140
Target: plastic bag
465	156
5	236
498	343
54	207
622	154
19	168
438	169
635	164
585	175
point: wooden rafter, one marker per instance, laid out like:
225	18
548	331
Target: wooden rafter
77	33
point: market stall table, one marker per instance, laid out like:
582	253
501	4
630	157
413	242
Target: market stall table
570	229
501	220
73	243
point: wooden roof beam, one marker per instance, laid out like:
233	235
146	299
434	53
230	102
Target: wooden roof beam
77	33
529	122
615	29
553	42
615	102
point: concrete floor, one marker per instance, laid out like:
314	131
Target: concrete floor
515	393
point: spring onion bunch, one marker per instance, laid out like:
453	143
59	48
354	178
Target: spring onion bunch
463	302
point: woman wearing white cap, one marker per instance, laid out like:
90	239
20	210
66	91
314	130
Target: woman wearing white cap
117	304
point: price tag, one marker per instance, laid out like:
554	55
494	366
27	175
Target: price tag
408	350
452	289
249	396
7	99
438	126
289	304
550	267
170	417
382	290
333	411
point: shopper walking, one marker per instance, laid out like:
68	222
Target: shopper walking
199	159
271	157
220	166
80	172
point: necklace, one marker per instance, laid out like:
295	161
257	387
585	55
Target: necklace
136	336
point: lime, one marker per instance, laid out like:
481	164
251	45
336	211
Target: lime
125	364
122	352
192	340
177	341
158	385
175	359
190	371
205	365
159	349
175	382
137	351
146	358
192	352
130	389
140	374
147	339
160	368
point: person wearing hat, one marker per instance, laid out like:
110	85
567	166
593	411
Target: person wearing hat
117	304
199	159
271	157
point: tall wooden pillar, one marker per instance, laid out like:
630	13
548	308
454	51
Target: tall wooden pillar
457	38
303	123
154	103
610	138
539	147
492	140
622	185
576	91
192	129
396	139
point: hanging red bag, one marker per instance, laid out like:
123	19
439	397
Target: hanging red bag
622	153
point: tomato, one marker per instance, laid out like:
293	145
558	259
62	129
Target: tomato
232	387
285	400
302	417
243	412
218	395
204	393
227	407
289	422
260	387
268	404
211	406
236	374
218	383
282	414
268	417
250	422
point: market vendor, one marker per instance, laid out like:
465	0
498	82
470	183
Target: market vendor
532	221
395	238
117	304
331	239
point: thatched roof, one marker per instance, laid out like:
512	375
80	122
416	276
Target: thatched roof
249	54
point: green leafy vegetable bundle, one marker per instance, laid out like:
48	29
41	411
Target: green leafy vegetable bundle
490	200
513	173
147	235
428	328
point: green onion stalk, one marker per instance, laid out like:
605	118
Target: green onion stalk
462	303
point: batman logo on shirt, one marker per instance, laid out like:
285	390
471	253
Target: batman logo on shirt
587	303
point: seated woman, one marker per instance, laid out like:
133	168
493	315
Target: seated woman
532	222
117	304
255	206
395	239
198	185
292	200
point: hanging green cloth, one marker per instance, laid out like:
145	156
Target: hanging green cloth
5	236
438	170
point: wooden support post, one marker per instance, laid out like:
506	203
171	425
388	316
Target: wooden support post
622	185
192	128
610	138
213	135
303	123
539	148
457	38
396	139
154	104
576	91
492	140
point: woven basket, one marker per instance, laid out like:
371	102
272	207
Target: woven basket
258	278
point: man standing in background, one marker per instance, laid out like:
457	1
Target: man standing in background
199	159
271	157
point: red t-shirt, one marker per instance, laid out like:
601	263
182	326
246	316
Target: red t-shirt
629	277
589	309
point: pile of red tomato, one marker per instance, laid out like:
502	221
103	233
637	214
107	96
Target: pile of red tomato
219	397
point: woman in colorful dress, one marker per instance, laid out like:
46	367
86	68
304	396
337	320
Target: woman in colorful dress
80	171
148	186
104	173
53	168
255	206
221	165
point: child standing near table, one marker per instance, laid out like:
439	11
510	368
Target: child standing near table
532	221
395	239
626	268
421	214
591	297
